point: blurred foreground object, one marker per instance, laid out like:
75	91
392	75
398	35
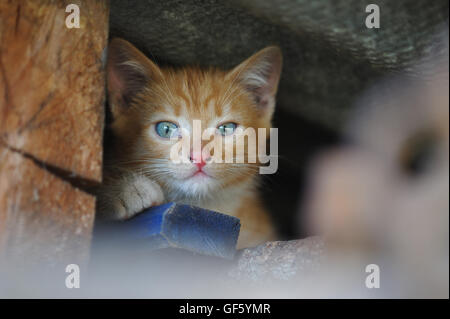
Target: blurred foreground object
384	198
51	122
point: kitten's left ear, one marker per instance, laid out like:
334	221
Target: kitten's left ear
129	71
260	74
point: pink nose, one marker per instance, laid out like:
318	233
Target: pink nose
198	160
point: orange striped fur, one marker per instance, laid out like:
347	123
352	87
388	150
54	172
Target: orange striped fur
141	94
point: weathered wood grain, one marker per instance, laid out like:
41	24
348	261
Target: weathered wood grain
42	218
51	82
51	122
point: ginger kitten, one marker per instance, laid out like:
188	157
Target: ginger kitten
150	104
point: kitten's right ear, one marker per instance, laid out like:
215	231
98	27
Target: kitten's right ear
260	75
128	72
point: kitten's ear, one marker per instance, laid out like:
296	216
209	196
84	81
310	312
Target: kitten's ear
260	74
128	72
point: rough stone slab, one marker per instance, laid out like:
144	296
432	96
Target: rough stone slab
329	56
279	260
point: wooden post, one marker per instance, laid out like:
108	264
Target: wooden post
51	123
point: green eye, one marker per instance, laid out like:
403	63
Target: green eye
227	128
166	129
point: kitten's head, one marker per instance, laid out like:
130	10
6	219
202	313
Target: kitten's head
150	105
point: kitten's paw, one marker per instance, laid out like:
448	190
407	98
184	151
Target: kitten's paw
134	194
140	193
